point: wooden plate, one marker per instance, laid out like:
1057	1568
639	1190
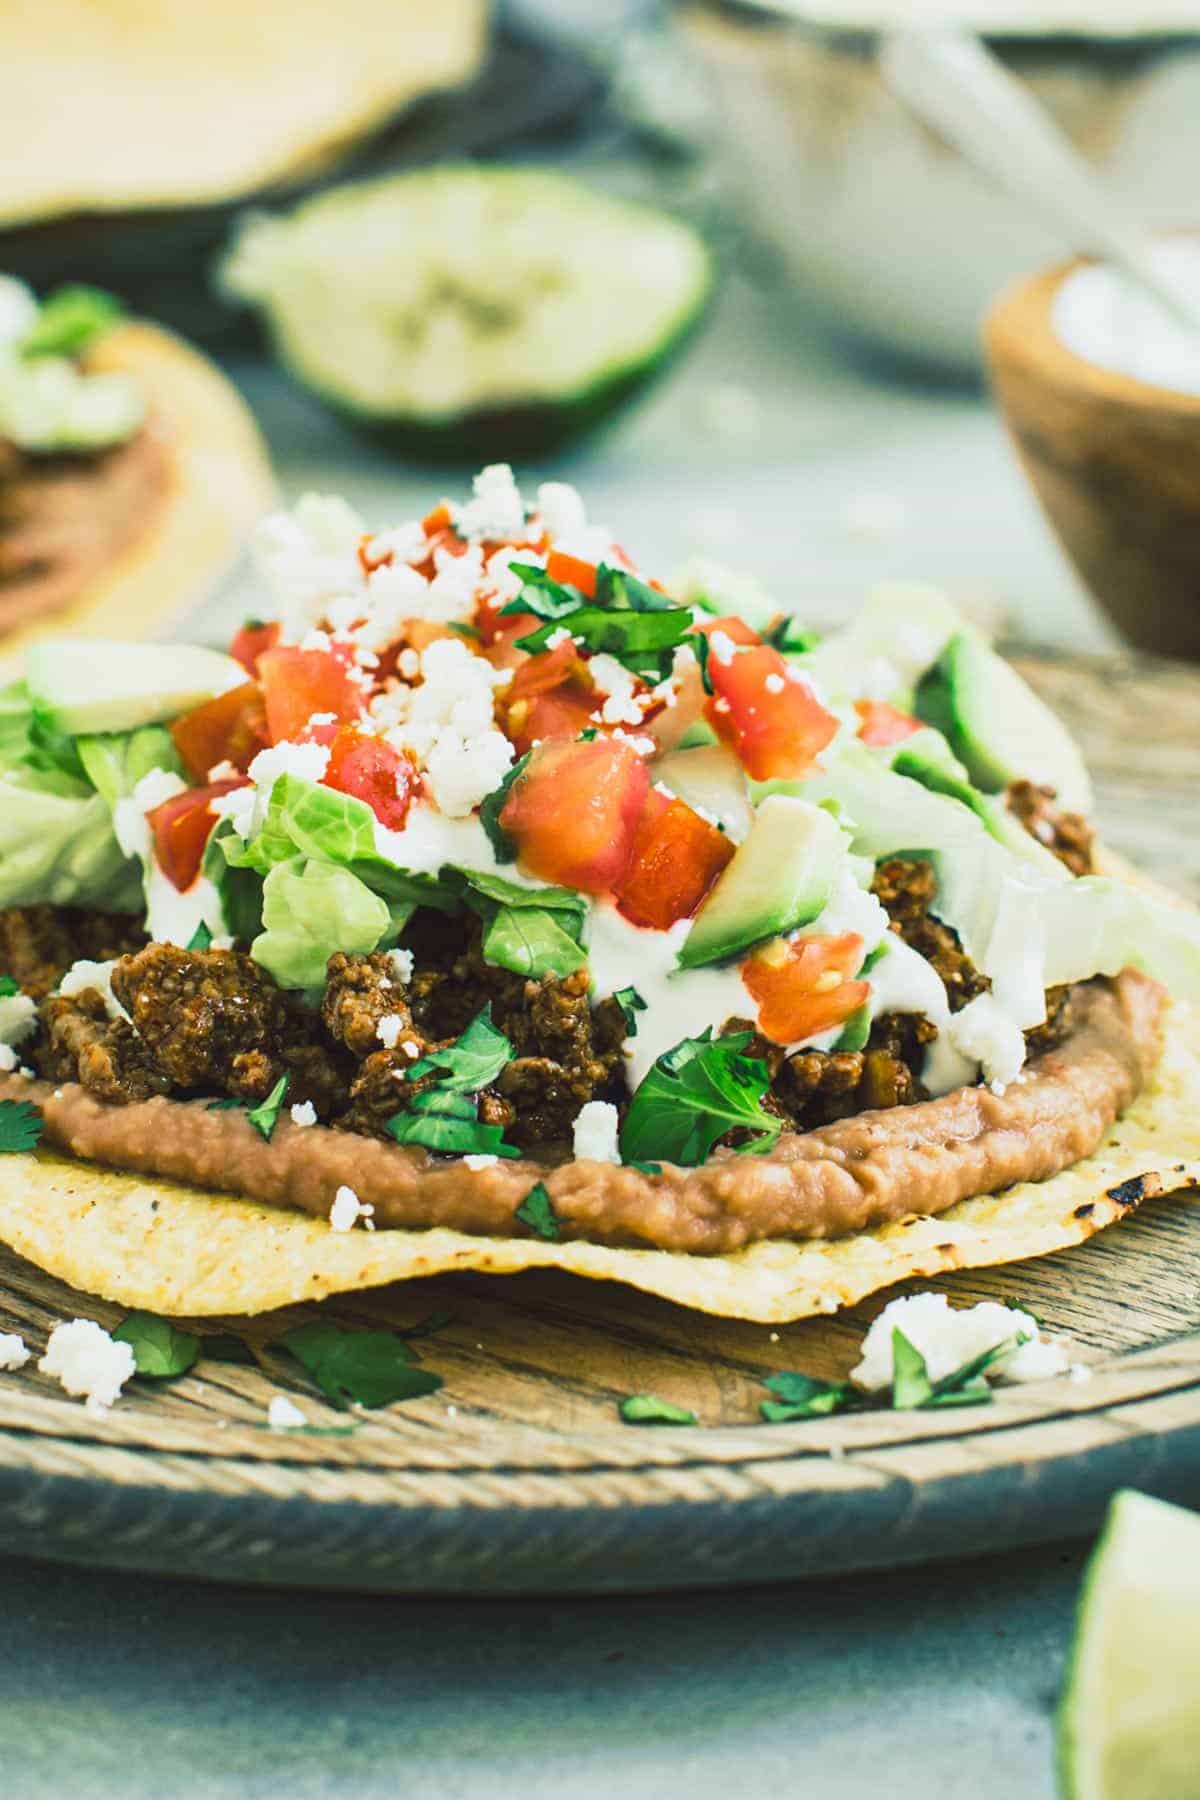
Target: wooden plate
518	1476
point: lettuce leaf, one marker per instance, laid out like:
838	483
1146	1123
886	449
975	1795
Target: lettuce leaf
115	762
309	910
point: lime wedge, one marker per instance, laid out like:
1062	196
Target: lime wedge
1129	1723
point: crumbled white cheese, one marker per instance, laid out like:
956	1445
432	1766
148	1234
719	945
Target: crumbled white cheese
448	722
246	807
456	582
88	1362
947	1338
561	510
984	1033
404	543
775	684
13	1354
8	1059
596	1126
18	309
480	1161
97	975
496	509
348	1209
463	774
499	574
18	1019
130	827
303	1113
309	555
388	1030
402	964
284	1415
614	679
722	646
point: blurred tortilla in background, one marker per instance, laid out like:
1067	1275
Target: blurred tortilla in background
184	105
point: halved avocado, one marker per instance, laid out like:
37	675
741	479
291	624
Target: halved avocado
219	483
469	311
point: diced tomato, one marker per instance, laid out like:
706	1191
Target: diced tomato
180	828
769	716
883	724
252	641
574	812
439	519
368	561
369	769
231	728
298	683
573	571
803	987
550	696
677	856
735	629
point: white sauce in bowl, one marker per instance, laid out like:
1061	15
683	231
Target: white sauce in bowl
1100	316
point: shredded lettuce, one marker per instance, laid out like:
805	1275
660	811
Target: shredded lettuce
309	910
116	761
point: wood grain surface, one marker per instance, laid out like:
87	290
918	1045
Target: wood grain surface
518	1476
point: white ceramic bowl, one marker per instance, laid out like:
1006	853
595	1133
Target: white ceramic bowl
884	224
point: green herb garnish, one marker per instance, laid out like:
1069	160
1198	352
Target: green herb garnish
201	938
627	619
472	1062
692	1096
224	1105
493	805
368	1368
787	634
631	1004
804	1397
648	1409
531	943
265	1116
21	1126
964	1386
448	1123
646	1168
160	1350
537	1211
69	321
8	987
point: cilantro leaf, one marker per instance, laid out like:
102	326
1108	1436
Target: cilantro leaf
265	1116
544	598
69	321
493	805
21	1126
201	938
646	1168
483	887
537	1211
619	588
911	1386
648	1409
787	634
224	1105
700	647
692	1096
804	1397
631	1004
448	1123
627	619
371	1368
531	943
8	987
472	1062
160	1350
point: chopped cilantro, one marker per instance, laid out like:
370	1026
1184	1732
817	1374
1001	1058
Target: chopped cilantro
532	943
648	1409
493	805
8	987
618	588
692	1096
160	1350
465	631
537	1211
787	634
627	619
368	1368
701	648
21	1126
201	938
911	1386
224	1105
804	1397
69	321
265	1116
964	1386
646	1168
472	1062
448	1123
630	1003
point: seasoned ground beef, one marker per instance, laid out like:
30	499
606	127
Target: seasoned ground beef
905	888
1067	834
361	992
211	1019
79	1042
38	944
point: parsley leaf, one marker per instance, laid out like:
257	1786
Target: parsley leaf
493	805
21	1126
911	1386
265	1116
448	1123
470	1064
692	1096
631	1004
201	938
617	587
537	1211
701	648
371	1368
628	619
804	1397
648	1409
8	987
160	1350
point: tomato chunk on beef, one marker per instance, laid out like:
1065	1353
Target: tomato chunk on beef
804	987
573	812
677	856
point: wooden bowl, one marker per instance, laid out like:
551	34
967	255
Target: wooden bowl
1115	463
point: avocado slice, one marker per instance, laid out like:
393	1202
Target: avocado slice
998	726
780	878
92	685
